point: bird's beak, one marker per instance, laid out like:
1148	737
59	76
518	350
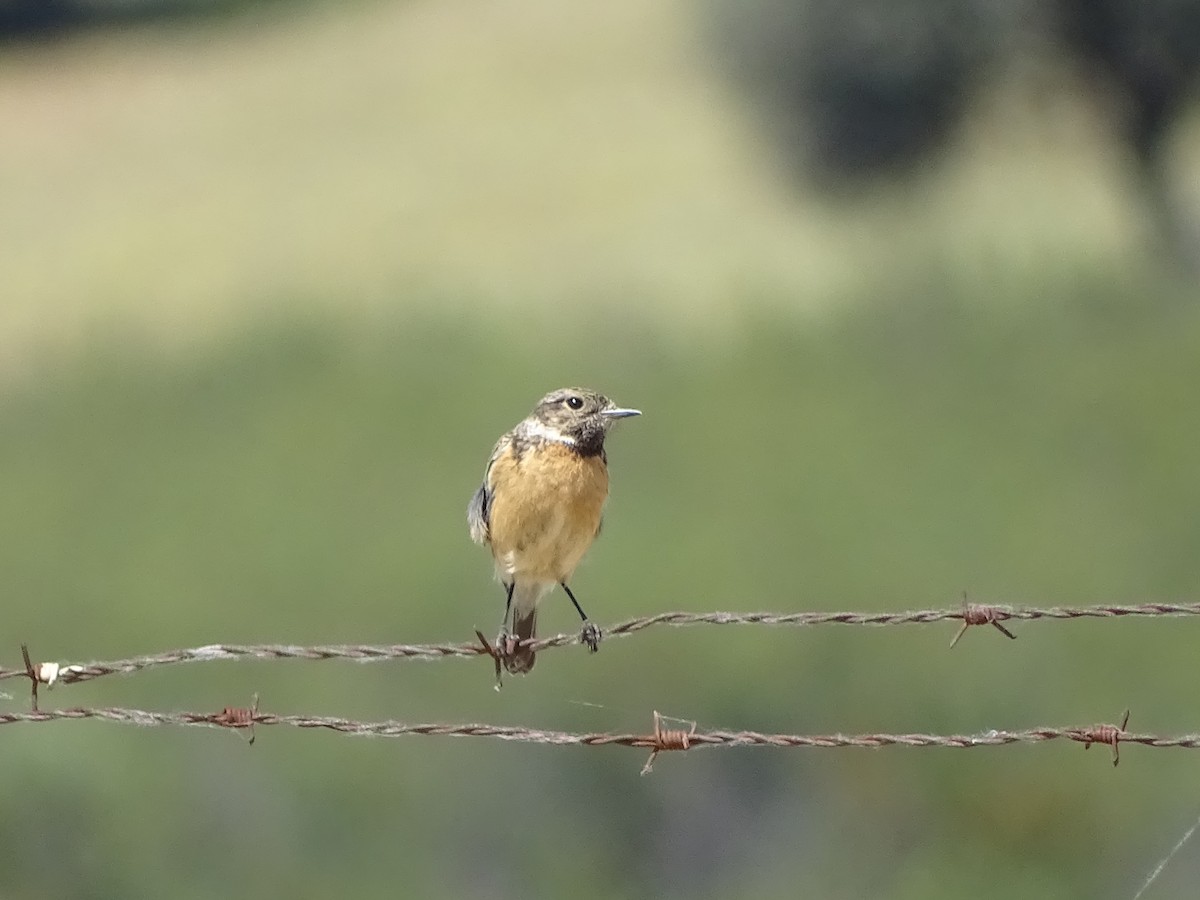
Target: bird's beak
615	413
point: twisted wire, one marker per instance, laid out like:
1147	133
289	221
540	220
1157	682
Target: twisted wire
238	718
968	615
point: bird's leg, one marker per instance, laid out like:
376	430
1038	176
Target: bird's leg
508	592
590	634
505	642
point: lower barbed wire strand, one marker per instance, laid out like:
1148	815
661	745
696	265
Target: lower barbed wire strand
392	728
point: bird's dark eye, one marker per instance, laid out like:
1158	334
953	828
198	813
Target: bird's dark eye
575	402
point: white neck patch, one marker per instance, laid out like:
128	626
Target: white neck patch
538	429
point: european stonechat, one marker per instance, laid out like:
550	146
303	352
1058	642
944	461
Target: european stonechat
540	506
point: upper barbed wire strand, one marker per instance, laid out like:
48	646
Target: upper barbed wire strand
72	673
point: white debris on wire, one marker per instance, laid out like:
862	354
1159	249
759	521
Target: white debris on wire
47	673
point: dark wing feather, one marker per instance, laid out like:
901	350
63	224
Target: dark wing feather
477	514
479	510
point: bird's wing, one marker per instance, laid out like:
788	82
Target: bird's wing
479	510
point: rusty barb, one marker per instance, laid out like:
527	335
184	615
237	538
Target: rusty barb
982	614
496	655
666	739
238	717
1104	734
43	673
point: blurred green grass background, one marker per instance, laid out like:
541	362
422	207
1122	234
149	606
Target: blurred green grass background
275	286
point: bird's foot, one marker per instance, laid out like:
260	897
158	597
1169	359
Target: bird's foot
506	644
591	636
514	653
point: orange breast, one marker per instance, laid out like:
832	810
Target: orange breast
545	511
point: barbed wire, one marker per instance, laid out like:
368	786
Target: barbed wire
969	614
659	740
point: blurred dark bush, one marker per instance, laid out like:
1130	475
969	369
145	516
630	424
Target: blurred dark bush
34	19
859	89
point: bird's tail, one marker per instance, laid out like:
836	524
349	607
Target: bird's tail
521	659
524	622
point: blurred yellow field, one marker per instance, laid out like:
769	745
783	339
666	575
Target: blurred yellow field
505	159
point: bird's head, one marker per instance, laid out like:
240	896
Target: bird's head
578	416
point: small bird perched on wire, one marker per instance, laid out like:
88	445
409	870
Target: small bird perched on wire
540	506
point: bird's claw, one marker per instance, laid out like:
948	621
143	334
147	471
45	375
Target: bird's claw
591	636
